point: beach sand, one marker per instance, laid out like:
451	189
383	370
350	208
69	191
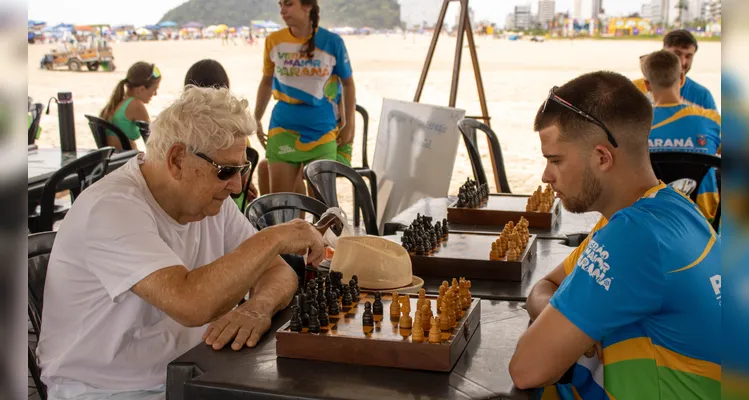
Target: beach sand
517	77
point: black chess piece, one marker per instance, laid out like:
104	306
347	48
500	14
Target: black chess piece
438	229
462	200
445	228
320	297
377	307
314	321
321	305
428	244
333	305
347	299
407	247
303	303
435	241
323	316
420	249
295	325
353	289
367	318
319	281
305	319
356	279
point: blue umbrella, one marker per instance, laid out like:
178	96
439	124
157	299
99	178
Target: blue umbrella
152	27
167	24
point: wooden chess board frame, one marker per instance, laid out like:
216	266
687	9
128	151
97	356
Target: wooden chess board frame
510	208
467	255
344	340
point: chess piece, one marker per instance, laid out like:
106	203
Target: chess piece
377	307
333	305
420	249
321	305
353	290
395	306
368	317
417	335
303	303
314	322
444	318
435	240
462	201
445	228
426	315
405	304
321	297
435	334
295	325
405	320
323	317
347	299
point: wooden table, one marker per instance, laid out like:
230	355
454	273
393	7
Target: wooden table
549	254
568	223
44	162
480	373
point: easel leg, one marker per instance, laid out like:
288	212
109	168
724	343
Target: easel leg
432	47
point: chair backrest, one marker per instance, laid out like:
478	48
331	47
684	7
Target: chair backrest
89	169
40	247
99	128
277	208
145	129
252	157
322	174
36	117
672	166
468	127
365	132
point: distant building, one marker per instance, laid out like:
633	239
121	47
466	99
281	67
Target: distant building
586	9
420	12
714	10
546	9
523	17
510	22
646	12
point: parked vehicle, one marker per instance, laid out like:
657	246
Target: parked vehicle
94	55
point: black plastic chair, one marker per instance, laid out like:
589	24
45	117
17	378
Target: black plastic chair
277	208
36	117
88	169
468	127
99	128
671	166
40	247
145	129
364	170
322	174
252	157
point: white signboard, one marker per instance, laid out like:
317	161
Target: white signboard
414	154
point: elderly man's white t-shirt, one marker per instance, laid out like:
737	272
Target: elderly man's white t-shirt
97	335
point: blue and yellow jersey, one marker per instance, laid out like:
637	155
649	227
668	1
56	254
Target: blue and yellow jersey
682	127
647	285
307	90
691	92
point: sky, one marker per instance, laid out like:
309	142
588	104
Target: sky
146	12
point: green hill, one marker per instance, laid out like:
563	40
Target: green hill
356	13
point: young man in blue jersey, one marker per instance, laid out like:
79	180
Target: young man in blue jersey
643	290
683	44
679	126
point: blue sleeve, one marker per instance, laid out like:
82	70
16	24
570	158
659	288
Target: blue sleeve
343	64
617	280
708	101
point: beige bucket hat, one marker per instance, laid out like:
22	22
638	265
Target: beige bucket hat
380	264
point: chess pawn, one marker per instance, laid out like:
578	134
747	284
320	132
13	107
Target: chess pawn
347	297
377	307
333	305
426	316
354	291
395	306
323	318
295	325
405	321
417	334
454	285
314	322
368	317
405	304
435	334
444	319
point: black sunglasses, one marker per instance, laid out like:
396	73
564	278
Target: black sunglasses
553	97
225	172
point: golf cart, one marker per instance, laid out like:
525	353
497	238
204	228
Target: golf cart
94	54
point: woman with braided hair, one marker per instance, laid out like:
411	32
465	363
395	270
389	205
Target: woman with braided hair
304	69
128	102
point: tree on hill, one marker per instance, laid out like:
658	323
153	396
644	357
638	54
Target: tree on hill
356	13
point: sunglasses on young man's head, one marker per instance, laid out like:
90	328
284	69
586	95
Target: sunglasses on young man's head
155	72
566	104
225	172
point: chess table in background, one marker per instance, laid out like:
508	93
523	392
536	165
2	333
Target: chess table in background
346	340
502	208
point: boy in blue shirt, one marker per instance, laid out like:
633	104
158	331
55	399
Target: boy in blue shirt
683	44
679	126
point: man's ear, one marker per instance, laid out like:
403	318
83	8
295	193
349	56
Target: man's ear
647	85
176	159
604	159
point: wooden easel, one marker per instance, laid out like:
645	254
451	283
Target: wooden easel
464	29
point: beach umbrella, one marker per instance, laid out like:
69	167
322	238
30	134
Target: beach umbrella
152	27
142	31
193	24
85	28
221	28
167	24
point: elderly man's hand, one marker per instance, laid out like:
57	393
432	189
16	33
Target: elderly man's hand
300	237
242	324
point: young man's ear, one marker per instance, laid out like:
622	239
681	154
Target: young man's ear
647	85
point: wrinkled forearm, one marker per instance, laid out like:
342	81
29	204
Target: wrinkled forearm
274	290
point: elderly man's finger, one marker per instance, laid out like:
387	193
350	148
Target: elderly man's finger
226	335
211	334
242	335
254	337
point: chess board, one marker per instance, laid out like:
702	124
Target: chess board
346	340
502	208
467	255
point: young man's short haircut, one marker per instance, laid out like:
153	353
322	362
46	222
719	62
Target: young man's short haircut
662	69
680	38
608	96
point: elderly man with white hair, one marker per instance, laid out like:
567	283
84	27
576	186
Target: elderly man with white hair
154	252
